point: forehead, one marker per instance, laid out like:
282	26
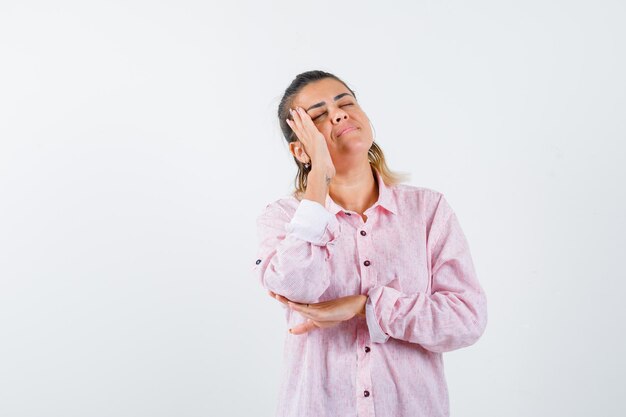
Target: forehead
322	90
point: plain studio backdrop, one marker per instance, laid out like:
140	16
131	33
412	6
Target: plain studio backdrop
139	143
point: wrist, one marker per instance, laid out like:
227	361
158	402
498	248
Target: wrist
363	301
322	174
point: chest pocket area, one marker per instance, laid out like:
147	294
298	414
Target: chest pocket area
402	269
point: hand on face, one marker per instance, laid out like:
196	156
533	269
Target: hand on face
325	314
313	141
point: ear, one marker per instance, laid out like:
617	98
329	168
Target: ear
297	149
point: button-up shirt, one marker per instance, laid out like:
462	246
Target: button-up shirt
412	260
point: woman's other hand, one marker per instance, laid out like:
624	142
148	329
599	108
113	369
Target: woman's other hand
327	313
313	141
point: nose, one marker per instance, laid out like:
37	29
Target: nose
340	114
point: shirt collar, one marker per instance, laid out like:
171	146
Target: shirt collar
385	198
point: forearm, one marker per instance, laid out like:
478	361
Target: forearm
299	273
439	322
317	186
294	253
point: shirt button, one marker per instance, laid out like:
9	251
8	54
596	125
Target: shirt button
348	214
366	263
366	393
258	261
363	233
367	348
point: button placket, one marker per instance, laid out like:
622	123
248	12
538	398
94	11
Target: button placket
365	405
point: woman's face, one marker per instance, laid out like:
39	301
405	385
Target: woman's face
333	108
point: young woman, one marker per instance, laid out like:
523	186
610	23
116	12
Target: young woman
376	276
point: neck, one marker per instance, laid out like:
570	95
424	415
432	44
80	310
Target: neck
355	189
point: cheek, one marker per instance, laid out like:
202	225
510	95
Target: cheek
326	131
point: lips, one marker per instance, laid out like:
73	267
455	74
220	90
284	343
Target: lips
346	129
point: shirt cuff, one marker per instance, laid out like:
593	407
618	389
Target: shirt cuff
377	335
310	221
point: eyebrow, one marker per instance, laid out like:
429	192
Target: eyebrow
321	103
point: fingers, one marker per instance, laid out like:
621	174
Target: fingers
301	125
282	299
297	117
303	328
296	122
297	129
305	119
307	311
278	297
340	309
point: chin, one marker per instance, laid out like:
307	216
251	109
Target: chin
357	144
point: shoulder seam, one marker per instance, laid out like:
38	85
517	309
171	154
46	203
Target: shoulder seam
275	203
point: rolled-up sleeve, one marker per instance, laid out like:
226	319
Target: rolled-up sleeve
377	335
453	315
293	254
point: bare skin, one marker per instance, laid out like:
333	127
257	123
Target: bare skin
325	314
340	168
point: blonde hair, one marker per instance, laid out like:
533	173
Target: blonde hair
377	161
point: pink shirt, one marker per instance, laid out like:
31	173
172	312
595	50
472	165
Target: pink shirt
412	260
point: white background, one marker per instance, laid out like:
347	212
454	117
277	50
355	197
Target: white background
139	142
